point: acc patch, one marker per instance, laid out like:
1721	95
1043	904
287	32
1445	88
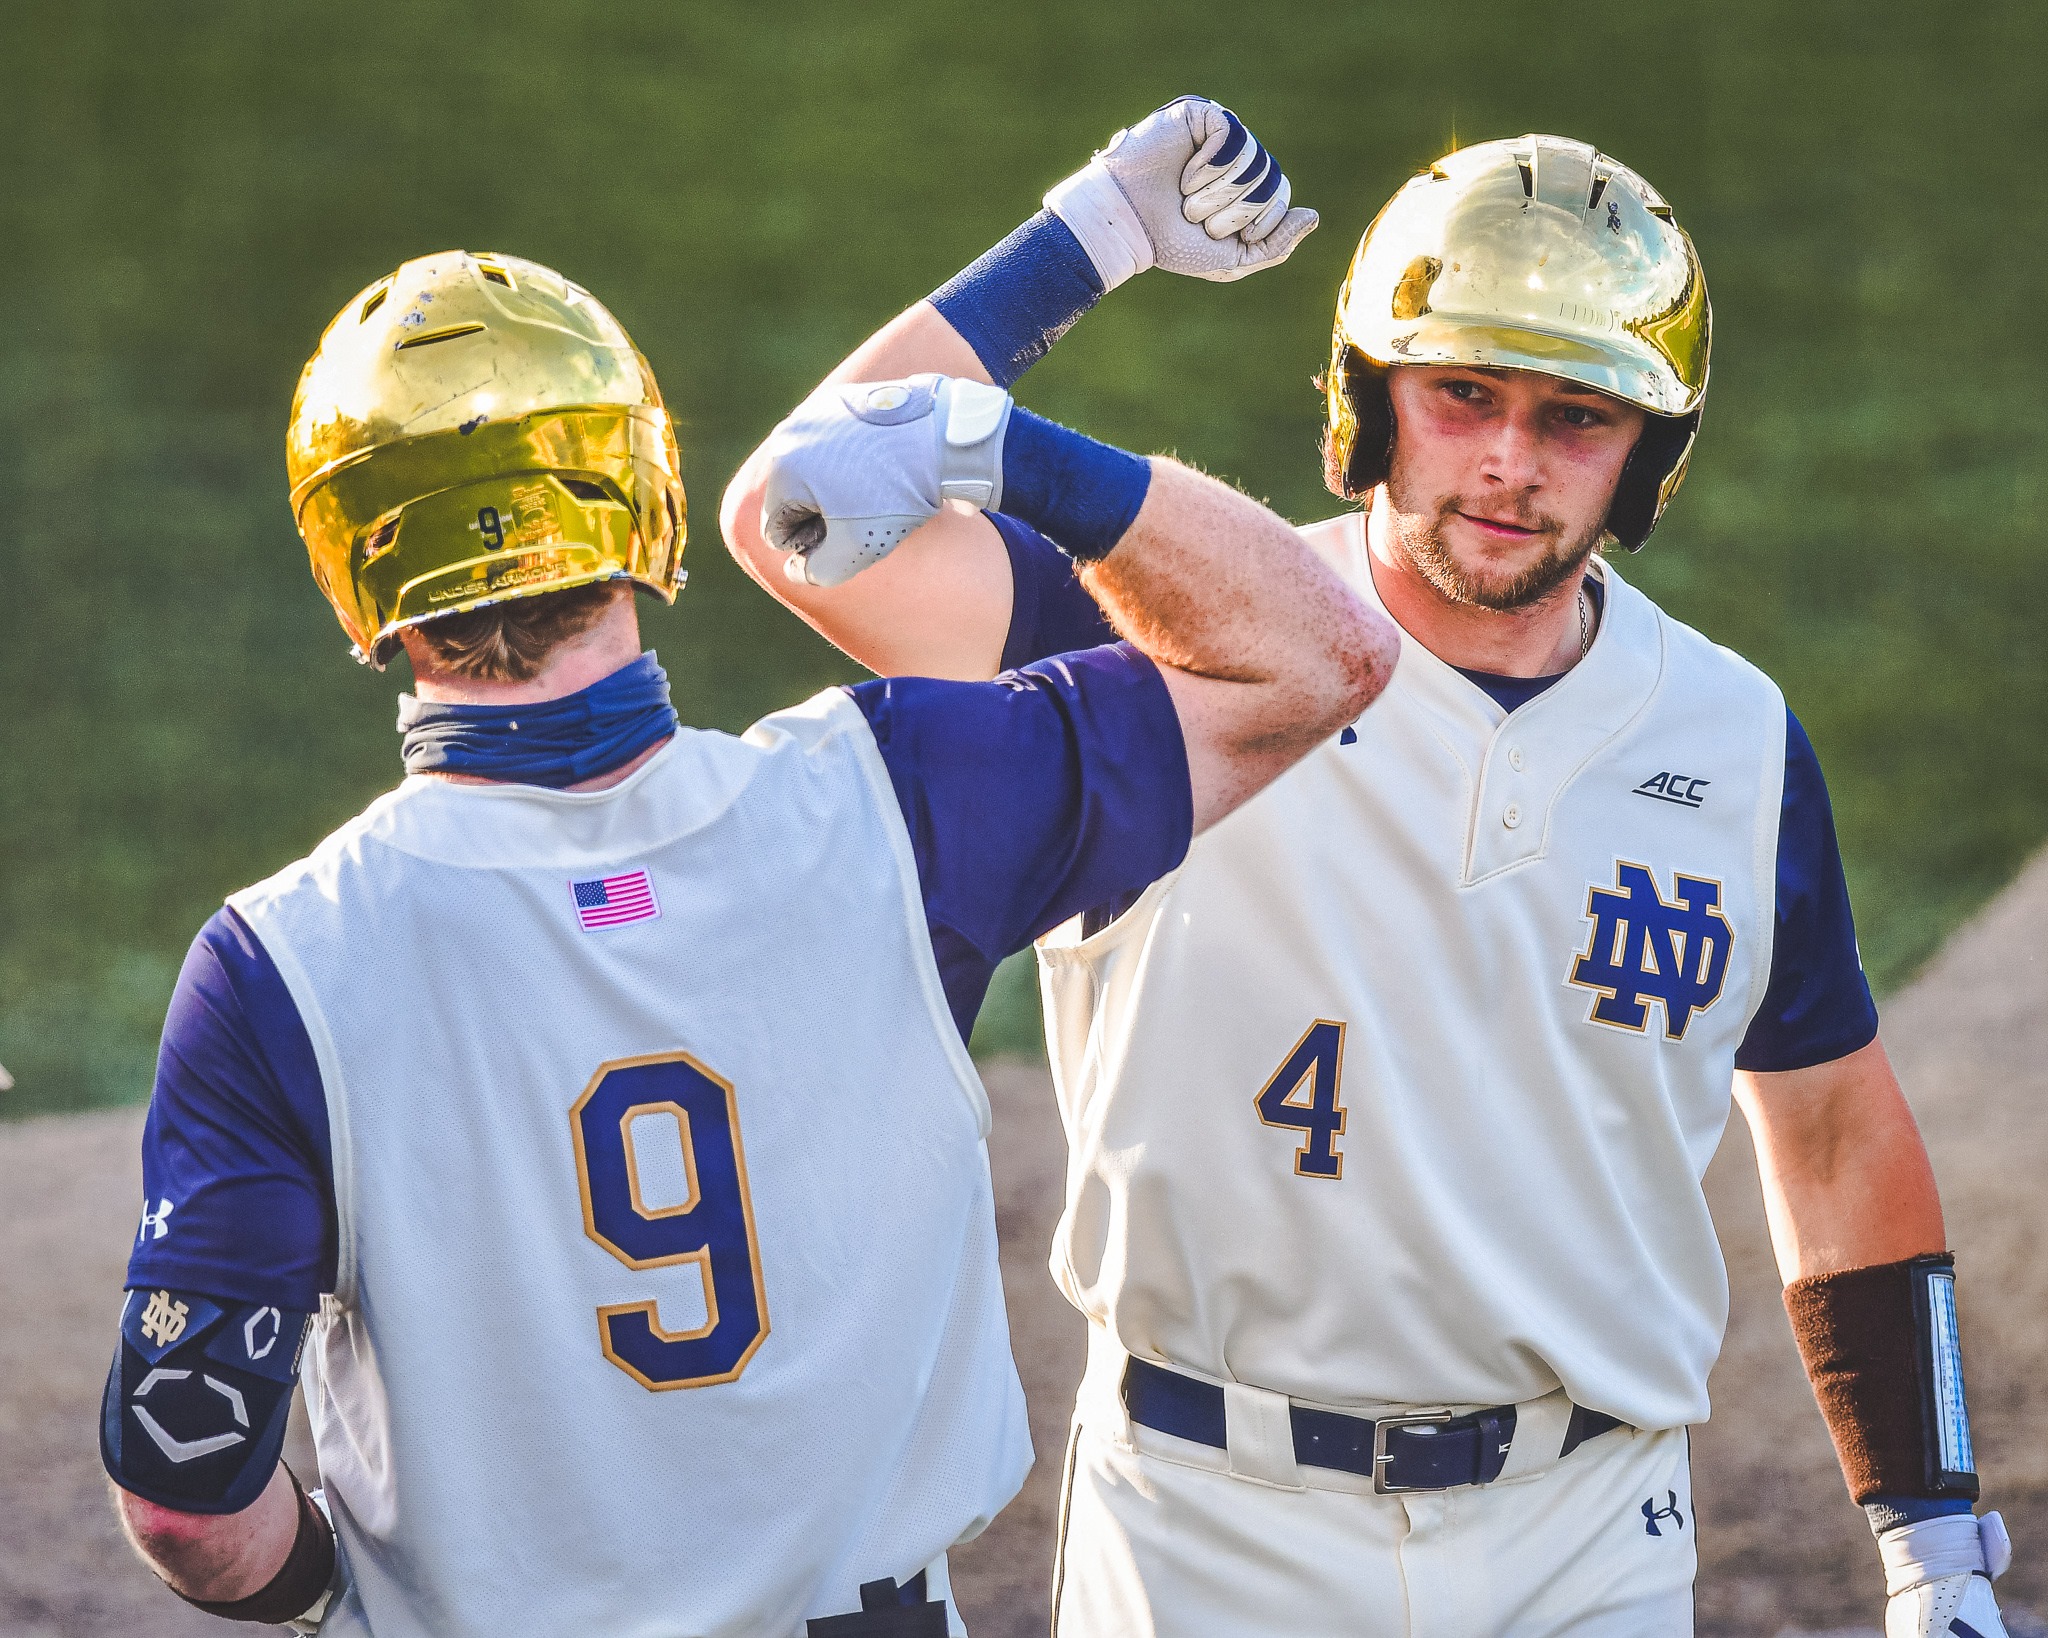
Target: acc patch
1645	948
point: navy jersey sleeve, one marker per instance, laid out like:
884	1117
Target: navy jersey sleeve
1818	1006
1050	610
237	1180
1030	798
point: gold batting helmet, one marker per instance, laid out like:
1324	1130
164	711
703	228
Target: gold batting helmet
1541	254
472	429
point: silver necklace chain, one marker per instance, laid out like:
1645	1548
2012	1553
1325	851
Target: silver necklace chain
1585	623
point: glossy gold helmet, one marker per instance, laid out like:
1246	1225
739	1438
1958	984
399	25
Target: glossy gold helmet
1533	254
472	429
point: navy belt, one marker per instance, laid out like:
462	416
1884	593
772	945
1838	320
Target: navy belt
1433	1452
886	1611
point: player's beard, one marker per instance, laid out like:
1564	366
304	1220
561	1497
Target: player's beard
1421	538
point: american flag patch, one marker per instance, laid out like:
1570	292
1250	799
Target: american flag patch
612	900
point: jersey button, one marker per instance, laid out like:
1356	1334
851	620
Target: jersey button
1515	758
1511	815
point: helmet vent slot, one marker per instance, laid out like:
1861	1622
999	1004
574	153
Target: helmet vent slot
374	301
584	489
1528	169
1661	211
496	274
379	540
1599	187
432	336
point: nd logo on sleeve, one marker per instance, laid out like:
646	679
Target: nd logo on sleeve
1645	948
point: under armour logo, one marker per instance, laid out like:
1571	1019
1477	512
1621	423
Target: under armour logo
1644	949
1652	1513
155	1224
163	1321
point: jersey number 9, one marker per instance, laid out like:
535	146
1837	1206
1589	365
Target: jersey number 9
711	1226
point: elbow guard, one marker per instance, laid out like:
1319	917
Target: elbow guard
1880	1348
195	1406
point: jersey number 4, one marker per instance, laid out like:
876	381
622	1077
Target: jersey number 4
1302	1096
672	1099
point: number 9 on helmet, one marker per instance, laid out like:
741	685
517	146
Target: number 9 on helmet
473	429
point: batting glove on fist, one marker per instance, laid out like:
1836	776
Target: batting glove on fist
1187	188
857	466
1938	1574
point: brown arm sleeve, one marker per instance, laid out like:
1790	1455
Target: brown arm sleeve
1874	1352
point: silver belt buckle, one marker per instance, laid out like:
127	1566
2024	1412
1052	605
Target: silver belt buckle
1382	1458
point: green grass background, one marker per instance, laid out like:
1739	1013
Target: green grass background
190	192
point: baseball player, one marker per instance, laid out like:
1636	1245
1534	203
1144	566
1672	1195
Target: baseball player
590	1120
1388	1109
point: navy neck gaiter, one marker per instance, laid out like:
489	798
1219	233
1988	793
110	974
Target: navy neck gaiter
553	742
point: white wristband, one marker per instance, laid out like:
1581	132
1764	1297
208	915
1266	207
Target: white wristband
1958	1544
1104	220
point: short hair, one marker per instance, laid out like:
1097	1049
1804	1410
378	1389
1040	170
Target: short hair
512	641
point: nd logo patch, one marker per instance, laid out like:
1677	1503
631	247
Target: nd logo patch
1644	949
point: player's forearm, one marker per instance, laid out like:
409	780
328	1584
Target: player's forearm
916	341
1871	1295
1265	650
1208	581
940	607
1846	1180
214	1557
1187	188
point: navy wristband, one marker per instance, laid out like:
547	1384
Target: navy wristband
1081	495
1013	303
1889	1512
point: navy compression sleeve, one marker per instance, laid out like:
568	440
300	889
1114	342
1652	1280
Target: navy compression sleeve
1030	798
1050	610
236	1172
1818	1006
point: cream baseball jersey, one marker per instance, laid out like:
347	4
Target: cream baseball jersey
575	1173
1401	1088
631	1137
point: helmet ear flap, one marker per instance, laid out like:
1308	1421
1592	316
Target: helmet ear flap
1358	446
1656	467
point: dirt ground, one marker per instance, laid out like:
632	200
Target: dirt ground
1782	1550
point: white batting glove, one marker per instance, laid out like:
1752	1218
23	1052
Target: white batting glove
1187	188
857	466
1938	1575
